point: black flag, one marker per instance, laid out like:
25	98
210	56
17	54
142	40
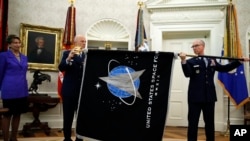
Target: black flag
124	95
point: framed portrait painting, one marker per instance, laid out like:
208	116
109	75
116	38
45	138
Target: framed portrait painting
42	46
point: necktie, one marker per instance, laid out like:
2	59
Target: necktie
80	54
206	61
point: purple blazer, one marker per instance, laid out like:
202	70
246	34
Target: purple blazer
13	81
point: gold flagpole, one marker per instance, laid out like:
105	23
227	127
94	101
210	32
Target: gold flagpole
227	132
230	52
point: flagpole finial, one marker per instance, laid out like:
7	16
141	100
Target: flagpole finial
140	4
71	2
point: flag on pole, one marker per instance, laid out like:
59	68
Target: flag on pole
140	37
70	28
3	24
129	100
234	83
68	39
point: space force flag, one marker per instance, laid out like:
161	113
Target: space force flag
124	95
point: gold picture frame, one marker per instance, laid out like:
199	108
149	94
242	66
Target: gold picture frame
47	58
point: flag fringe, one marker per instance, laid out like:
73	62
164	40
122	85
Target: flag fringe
231	98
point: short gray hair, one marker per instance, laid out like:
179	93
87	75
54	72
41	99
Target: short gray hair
77	36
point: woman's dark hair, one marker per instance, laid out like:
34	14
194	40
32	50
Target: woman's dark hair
11	37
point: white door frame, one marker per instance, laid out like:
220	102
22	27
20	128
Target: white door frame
213	47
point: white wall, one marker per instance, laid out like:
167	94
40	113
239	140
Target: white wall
52	13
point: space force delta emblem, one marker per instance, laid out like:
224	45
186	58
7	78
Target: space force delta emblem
239	132
124	95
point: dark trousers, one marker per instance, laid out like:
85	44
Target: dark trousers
194	110
70	104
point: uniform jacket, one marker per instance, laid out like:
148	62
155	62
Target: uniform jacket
72	74
13	81
201	83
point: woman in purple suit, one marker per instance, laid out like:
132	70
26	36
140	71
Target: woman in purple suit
13	86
